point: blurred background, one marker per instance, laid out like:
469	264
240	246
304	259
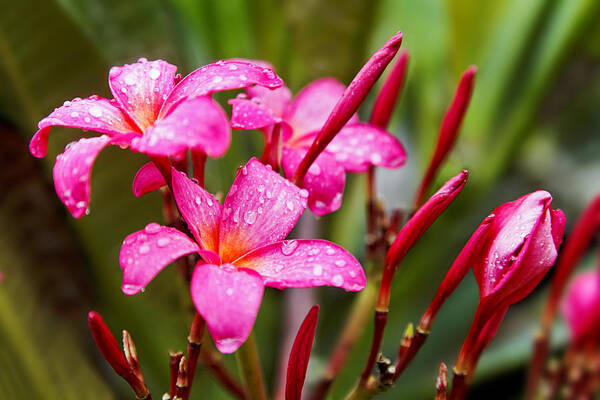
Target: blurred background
533	124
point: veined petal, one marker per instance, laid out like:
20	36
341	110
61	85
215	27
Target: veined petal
219	76
198	124
228	299
200	210
277	100
72	173
324	181
94	113
261	207
145	253
305	263
141	88
147	179
357	146
313	104
251	114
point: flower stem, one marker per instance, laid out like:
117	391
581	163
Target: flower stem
459	386
357	318
249	365
363	391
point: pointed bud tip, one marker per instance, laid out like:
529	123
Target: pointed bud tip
471	71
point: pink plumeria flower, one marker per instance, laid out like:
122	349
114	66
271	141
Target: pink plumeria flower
357	146
153	112
242	249
581	307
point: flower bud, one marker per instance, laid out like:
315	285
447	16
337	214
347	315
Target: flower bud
581	307
389	93
522	244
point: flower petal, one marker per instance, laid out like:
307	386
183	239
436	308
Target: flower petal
198	124
277	100
228	299
94	113
142	87
251	114
324	181
147	179
305	263
313	104
72	173
145	253
261	207
300	355
200	210
357	146
219	76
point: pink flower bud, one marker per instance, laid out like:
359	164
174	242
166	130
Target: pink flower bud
389	93
581	307
300	354
522	244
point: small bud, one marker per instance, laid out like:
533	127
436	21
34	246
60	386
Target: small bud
351	99
441	383
389	93
182	379
130	351
449	130
409	333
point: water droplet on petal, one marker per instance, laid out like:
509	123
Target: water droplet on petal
340	263
303	193
144	249
317	270
162	242
330	251
229	292
288	247
236	215
250	217
314	169
375	158
96	111
130	79
152	227
198	200
338	280
209	201
154	73
290	205
130	289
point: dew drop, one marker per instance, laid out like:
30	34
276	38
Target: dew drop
290	205
337	280
303	193
250	217
229	292
375	158
209	201
80	204
198	200
96	111
152	227
236	215
314	251
340	263
130	289
317	270
330	251
144	249
162	242
288	247
130	79
154	73
314	169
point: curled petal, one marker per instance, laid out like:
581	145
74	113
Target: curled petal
200	210
219	76
228	299
142	87
324	181
305	263
251	114
277	100
300	354
197	124
313	104
145	253
360	145
147	179
94	114
261	207
72	173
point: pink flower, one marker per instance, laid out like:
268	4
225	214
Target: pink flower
242	249
581	307
153	111
357	145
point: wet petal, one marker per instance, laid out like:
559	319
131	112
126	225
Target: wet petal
147	179
277	100
261	207
324	181
251	114
219	76
141	88
228	299
359	145
305	263
145	253
72	173
198	124
200	210
313	104
94	114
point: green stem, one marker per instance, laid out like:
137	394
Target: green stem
249	366
363	391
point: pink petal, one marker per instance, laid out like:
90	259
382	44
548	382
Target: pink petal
197	124
72	173
324	181
305	263
228	299
277	100
219	76
147	179
261	207
200	210
145	253
141	88
580	306
313	104
360	145
251	114
94	114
